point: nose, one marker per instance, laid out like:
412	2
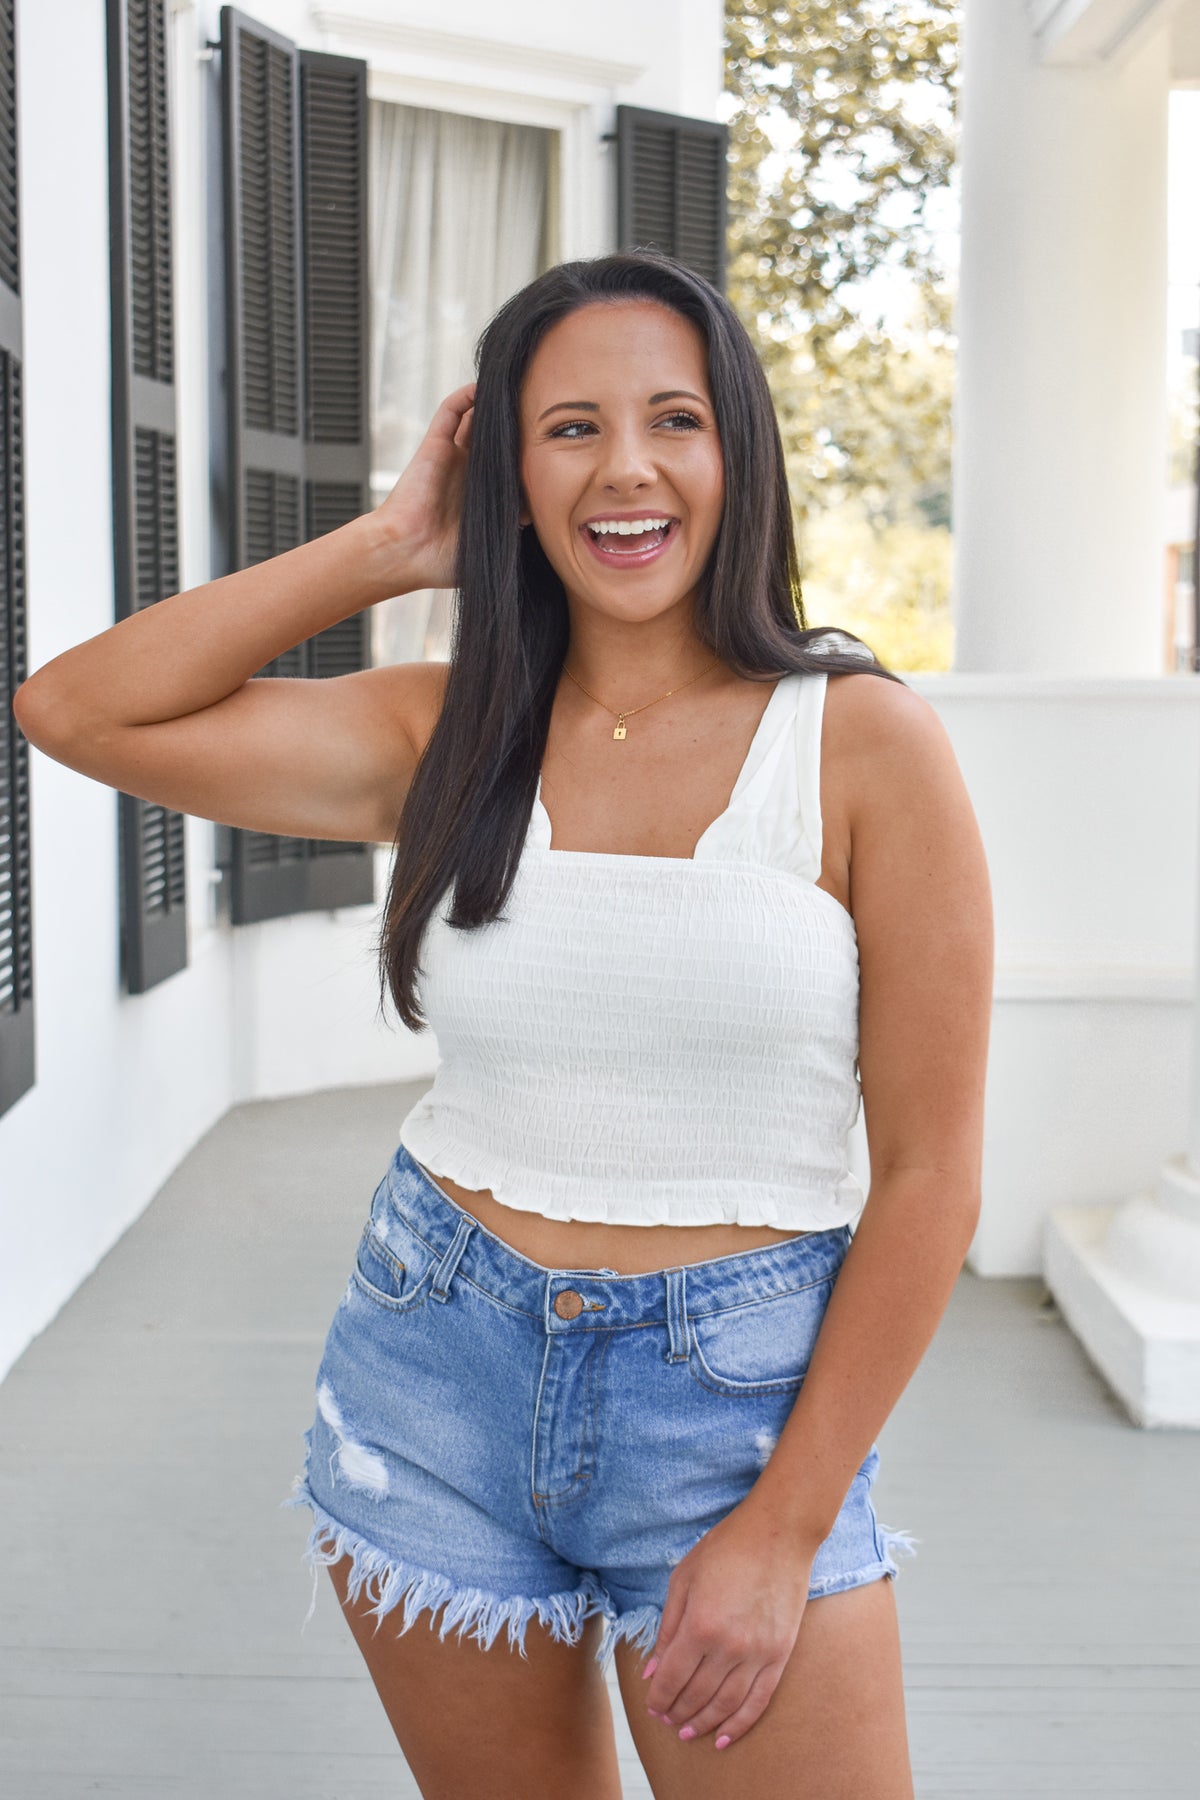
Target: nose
627	462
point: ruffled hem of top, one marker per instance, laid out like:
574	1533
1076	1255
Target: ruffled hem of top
567	1197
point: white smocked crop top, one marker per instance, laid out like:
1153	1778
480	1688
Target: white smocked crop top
648	1040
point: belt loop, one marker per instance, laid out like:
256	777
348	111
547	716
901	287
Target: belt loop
449	1263
677	1326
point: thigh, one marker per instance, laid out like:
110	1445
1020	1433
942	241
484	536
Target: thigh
490	1723
834	1728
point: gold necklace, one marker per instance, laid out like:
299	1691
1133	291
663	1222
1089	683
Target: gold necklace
620	717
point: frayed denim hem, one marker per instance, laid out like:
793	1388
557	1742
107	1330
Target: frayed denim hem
887	1541
902	1541
477	1614
638	1627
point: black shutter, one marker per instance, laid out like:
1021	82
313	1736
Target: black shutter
333	185
296	358
145	498
671	188
17	1065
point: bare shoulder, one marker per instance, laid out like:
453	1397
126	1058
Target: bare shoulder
868	716
893	765
865	724
887	751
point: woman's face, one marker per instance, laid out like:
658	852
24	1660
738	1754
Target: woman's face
617	427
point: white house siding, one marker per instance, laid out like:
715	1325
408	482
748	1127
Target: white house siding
126	1085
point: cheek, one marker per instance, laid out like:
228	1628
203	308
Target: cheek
710	490
547	489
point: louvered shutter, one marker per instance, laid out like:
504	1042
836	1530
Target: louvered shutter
671	188
333	186
296	323
17	1064
145	489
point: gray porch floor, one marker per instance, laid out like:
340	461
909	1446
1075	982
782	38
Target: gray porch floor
152	1589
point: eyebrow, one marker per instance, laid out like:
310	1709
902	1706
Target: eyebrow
591	406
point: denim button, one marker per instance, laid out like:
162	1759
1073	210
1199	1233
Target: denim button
568	1304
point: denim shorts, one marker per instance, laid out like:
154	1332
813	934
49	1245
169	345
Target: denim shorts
508	1440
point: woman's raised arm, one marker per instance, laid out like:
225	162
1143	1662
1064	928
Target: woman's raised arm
162	704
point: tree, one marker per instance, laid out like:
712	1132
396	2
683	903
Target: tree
841	118
841	127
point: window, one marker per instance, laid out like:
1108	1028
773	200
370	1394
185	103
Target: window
459	221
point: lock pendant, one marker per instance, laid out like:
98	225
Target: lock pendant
619	728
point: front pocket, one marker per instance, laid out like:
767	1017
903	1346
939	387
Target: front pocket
764	1347
381	1275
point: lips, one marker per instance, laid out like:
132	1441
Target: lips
630	552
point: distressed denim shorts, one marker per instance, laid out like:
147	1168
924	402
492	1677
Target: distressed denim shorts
509	1440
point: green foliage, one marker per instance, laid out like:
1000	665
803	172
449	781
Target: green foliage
890	585
873	424
830	87
841	122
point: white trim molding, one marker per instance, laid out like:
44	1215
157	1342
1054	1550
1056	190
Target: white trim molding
568	92
423	50
1093	31
1047	981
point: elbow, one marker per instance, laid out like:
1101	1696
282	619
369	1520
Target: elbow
47	716
26	706
32	710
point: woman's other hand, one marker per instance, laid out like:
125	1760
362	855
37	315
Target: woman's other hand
730	1622
421	513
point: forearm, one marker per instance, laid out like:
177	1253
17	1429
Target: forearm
892	1289
194	648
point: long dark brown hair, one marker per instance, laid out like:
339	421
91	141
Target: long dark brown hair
467	811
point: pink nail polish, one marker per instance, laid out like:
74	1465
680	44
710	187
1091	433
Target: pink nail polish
721	1742
687	1732
649	1669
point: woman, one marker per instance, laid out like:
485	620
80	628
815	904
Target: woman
676	880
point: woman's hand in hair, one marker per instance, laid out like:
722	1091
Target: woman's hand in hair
421	513
730	1623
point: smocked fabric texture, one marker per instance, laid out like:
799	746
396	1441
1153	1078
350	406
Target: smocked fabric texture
648	1040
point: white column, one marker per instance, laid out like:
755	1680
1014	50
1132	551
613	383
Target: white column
1060	427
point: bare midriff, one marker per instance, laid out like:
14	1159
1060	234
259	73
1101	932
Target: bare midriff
588	1244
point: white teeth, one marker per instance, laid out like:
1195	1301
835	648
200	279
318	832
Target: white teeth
629	527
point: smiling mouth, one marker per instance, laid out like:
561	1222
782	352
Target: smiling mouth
615	547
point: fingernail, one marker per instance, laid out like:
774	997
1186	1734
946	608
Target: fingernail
649	1669
721	1742
652	1713
687	1732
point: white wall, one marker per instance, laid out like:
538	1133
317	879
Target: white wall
124	1085
1087	793
127	1084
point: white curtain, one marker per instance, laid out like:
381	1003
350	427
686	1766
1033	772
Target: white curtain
458	223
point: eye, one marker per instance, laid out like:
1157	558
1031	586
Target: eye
679	422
